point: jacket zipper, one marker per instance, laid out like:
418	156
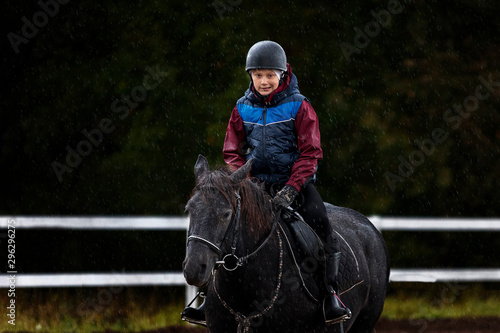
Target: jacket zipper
264	120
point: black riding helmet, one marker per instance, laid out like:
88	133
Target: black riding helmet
266	55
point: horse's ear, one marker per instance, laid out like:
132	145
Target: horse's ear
239	175
201	168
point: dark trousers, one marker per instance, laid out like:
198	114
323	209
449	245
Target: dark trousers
313	210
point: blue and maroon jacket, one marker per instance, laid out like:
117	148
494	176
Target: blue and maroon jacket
280	133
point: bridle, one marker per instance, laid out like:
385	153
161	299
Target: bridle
230	261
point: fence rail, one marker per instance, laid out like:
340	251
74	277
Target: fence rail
94	280
181	223
98	222
66	280
435	224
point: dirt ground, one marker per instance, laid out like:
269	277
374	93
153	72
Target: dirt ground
469	325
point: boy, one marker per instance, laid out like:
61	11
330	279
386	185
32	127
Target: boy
276	126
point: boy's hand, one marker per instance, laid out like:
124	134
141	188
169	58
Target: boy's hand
285	197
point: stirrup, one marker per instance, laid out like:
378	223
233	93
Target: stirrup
187	315
343	317
195	315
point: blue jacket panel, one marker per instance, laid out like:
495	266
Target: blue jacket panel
270	132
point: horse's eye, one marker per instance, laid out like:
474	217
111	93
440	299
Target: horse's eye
227	215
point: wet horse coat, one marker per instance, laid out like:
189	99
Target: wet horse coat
232	217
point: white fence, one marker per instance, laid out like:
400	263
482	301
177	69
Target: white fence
181	223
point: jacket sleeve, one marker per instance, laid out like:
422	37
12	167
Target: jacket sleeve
309	144
235	134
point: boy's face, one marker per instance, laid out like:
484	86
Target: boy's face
265	81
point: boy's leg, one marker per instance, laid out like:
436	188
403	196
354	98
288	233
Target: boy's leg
313	211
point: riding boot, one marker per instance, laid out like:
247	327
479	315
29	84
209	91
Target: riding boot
195	315
333	311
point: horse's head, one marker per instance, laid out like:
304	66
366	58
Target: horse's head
212	209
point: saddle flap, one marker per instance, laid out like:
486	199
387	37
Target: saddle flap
309	245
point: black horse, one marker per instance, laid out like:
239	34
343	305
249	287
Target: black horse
239	254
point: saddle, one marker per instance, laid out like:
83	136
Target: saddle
307	241
307	249
309	256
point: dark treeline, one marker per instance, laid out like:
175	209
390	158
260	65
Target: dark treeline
105	107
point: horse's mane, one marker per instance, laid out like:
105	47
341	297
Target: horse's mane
256	207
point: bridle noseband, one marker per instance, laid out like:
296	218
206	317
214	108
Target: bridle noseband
230	261
211	245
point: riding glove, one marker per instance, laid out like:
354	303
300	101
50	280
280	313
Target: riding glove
285	197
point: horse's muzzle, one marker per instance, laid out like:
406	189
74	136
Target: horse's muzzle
197	268
196	278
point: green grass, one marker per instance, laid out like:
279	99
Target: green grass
137	319
441	301
136	309
88	309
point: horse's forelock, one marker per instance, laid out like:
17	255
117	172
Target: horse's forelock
216	181
256	207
